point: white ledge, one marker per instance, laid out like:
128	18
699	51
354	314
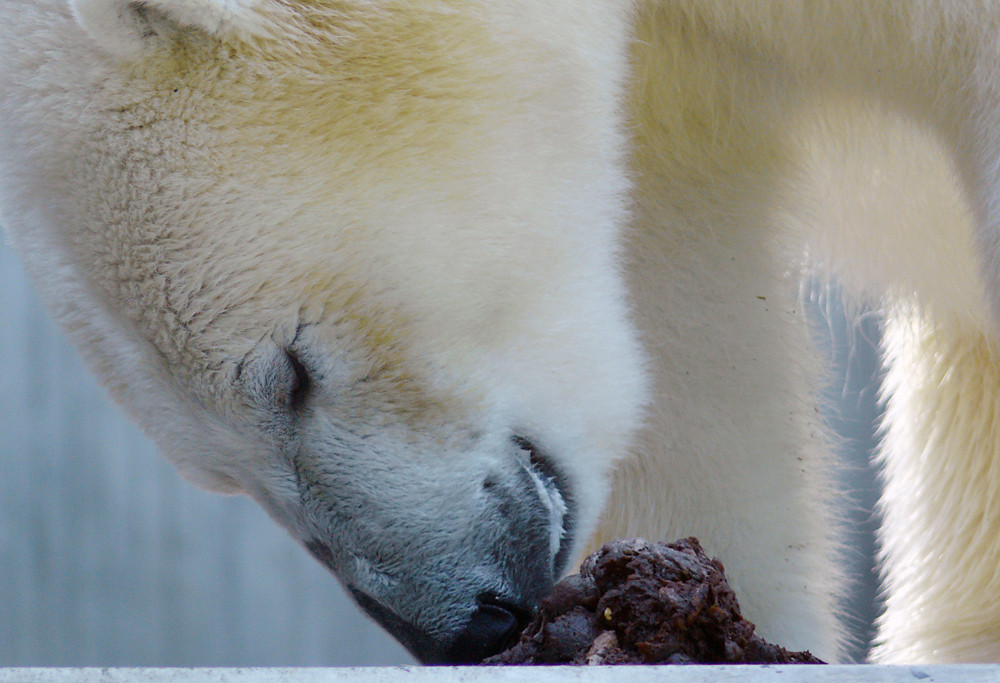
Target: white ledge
964	673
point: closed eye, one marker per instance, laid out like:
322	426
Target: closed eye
299	390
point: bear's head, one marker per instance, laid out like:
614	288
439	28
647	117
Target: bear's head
358	259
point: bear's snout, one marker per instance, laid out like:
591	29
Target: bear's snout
493	627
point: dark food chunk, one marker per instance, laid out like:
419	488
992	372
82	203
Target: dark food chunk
636	602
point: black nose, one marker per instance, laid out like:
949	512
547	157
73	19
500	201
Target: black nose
493	628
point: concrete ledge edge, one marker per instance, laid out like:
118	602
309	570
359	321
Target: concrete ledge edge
963	673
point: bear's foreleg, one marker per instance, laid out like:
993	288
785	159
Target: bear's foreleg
941	504
734	450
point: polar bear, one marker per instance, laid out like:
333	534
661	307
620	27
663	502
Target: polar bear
457	289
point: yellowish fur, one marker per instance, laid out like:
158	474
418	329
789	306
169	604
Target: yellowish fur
944	590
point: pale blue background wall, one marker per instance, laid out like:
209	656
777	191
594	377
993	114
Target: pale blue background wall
849	344
107	558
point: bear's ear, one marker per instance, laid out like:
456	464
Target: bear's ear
130	28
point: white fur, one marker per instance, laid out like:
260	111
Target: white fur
126	28
427	202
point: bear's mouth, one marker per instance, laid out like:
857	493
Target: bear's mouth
557	498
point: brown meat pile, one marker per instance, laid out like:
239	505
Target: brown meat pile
636	602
